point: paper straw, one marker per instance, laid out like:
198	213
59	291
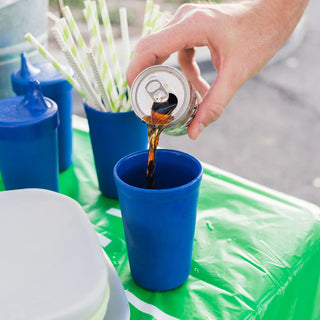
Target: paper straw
92	99
155	16
94	41
97	76
123	88
52	16
125	35
95	10
58	34
127	104
122	100
62	26
94	29
110	41
148	31
158	22
106	74
147	16
76	33
79	40
54	62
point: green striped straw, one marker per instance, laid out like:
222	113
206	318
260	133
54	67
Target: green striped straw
97	76
95	10
76	33
110	41
52	16
126	105
79	41
92	99
94	29
54	62
123	88
147	16
155	15
125	34
122	100
106	74
146	29
156	18
63	28
96	44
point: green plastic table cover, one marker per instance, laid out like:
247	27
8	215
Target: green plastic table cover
256	251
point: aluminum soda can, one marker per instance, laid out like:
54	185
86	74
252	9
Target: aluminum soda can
154	85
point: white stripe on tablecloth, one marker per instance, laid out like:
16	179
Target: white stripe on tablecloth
148	308
104	241
114	212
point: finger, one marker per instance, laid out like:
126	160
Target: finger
182	12
189	66
213	103
156	48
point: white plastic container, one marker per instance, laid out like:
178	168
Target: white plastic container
52	265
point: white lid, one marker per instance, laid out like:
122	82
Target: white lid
52	266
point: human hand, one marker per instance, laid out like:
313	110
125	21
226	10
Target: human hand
242	37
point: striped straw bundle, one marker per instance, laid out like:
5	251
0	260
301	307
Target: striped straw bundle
98	76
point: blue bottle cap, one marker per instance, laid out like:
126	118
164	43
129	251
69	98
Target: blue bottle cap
51	81
28	117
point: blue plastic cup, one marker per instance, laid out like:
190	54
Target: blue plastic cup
113	135
57	88
159	223
28	141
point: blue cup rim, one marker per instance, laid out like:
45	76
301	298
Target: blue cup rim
187	185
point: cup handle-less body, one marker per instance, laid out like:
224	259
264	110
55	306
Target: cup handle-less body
113	135
159	224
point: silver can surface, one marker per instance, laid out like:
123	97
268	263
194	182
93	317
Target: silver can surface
155	85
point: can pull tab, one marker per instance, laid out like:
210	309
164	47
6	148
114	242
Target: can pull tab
157	91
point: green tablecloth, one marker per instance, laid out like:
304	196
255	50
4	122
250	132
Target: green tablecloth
256	251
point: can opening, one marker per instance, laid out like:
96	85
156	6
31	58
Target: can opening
166	107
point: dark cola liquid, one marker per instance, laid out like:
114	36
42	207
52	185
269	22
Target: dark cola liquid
157	121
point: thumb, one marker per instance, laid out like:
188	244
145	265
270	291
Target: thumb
213	103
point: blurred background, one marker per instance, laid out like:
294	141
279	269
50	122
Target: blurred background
270	131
